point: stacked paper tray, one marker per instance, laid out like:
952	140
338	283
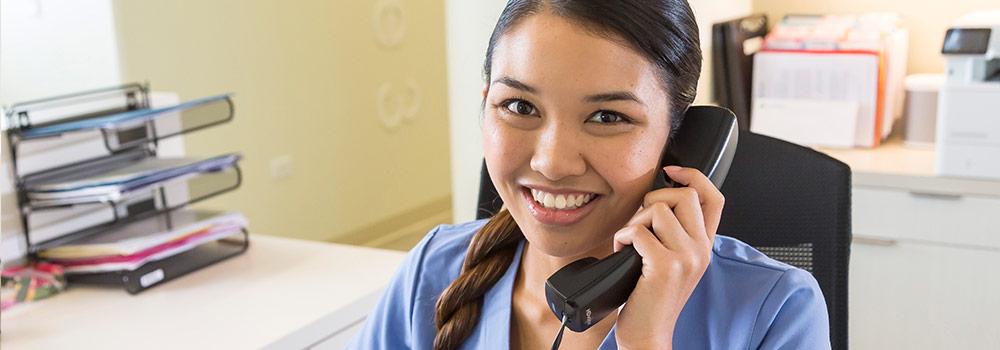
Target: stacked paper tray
95	195
131	246
117	119
110	184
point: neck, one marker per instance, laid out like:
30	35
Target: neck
537	266
533	324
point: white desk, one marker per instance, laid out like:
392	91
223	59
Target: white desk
281	293
894	165
925	252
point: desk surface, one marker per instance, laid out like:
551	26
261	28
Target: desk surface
896	165
275	289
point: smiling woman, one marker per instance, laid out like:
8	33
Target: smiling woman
551	129
580	97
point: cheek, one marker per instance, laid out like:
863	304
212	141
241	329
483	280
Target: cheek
628	164
629	171
506	150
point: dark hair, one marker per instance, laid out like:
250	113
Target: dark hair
665	33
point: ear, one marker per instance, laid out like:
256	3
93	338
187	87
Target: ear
486	89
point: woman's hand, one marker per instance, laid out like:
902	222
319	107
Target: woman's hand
673	232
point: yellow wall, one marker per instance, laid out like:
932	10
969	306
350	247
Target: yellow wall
926	20
305	76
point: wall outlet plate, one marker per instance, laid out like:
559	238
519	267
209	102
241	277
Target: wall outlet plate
281	167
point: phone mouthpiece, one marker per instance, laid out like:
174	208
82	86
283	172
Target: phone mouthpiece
587	290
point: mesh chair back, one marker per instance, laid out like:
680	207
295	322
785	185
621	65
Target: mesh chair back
794	204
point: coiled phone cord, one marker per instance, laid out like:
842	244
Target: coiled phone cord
555	344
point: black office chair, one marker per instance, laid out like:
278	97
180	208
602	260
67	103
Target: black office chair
788	201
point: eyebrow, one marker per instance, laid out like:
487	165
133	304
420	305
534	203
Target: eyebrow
614	96
602	97
514	83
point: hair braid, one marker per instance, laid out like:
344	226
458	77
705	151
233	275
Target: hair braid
488	258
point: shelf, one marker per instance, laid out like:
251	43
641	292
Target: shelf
156	272
154	200
195	114
77	106
86	184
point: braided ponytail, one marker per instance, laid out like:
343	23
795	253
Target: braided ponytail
489	256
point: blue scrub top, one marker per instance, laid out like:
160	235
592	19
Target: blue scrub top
745	300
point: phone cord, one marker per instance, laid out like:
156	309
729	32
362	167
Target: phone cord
555	344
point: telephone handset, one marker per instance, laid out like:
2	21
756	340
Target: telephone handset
585	291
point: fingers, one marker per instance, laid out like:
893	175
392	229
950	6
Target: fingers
709	197
660	260
666	227
639	237
683	203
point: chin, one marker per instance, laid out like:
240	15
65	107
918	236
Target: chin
563	243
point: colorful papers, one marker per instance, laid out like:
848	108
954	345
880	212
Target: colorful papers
848	69
135	244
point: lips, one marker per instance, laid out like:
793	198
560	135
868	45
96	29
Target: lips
545	206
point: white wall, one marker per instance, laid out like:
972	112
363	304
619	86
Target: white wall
47	48
468	28
468	25
51	47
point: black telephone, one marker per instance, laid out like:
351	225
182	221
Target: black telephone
585	291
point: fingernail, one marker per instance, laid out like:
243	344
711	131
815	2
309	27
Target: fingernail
672	168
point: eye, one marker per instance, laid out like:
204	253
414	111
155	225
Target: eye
518	106
607	117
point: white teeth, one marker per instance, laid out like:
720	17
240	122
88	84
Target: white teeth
560	201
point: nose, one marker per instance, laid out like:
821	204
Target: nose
558	153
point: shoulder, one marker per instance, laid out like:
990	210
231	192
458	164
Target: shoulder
772	291
447	242
449	237
733	251
404	315
440	255
740	261
732	256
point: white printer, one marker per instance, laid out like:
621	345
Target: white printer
968	130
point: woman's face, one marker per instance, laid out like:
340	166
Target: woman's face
573	127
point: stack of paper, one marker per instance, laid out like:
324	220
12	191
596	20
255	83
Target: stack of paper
830	80
131	246
97	186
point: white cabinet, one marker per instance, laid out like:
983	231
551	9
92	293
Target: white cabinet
946	218
925	261
335	330
923	296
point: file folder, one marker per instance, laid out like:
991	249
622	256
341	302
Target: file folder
734	44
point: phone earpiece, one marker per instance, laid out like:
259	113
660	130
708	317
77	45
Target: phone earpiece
661	181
